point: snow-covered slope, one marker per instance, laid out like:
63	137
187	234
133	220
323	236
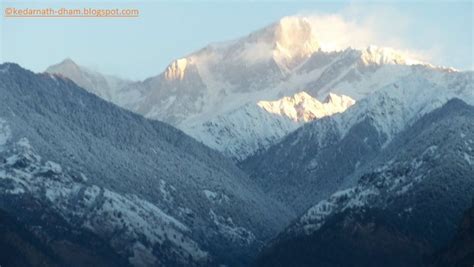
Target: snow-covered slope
405	205
320	157
397	171
25	175
242	132
254	127
141	185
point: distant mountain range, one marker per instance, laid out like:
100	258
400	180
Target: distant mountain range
196	92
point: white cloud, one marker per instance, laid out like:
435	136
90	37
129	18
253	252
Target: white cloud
359	26
336	33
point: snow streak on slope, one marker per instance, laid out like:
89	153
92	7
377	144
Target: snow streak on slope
254	127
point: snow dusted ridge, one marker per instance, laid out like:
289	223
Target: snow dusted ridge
441	142
151	171
301	107
397	106
386	55
419	185
141	224
254	127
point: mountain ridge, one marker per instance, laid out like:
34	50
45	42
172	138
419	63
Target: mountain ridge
403	198
79	146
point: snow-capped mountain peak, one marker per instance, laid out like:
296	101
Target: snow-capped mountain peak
124	93
294	41
67	67
93	81
302	107
68	62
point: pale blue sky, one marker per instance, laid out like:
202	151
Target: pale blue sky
440	32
